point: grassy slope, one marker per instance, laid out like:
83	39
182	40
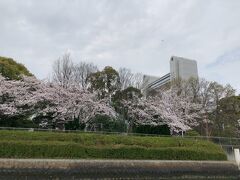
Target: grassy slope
20	144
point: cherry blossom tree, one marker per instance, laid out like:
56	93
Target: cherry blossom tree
208	94
52	105
178	111
38	99
168	107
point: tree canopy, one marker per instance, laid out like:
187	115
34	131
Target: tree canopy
12	70
228	122
82	97
105	82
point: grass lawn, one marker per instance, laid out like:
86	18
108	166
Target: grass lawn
23	144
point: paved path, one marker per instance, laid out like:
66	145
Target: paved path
116	169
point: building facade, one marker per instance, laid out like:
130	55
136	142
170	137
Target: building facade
180	68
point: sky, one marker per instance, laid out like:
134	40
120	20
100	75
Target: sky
138	34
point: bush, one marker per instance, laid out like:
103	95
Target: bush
148	129
71	150
74	125
17	121
19	144
192	133
105	123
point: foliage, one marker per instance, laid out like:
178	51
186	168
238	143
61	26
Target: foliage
98	123
19	144
128	103
176	110
105	82
12	70
75	125
192	133
80	97
169	108
228	122
208	95
107	124
17	121
150	129
50	104
130	93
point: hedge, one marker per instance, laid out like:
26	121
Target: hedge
17	144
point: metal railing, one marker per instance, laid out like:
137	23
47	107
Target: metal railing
223	141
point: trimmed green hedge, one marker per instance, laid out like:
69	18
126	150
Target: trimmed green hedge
19	144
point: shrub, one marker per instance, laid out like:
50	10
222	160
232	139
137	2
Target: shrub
192	133
148	129
73	150
20	144
17	121
74	125
105	123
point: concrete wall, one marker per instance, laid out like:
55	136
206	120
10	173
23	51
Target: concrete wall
109	169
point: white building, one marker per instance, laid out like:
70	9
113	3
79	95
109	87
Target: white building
180	68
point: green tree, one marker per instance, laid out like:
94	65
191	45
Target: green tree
106	123
105	82
151	129
219	93
129	93
229	117
119	99
22	121
12	70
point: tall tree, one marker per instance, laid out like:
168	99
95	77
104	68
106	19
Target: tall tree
81	73
137	81
208	94
219	92
105	82
127	79
66	73
166	108
50	104
63	71
229	110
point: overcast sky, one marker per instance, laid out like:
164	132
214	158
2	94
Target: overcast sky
137	34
